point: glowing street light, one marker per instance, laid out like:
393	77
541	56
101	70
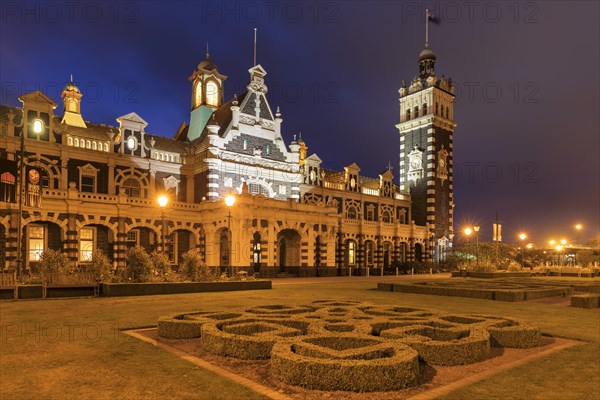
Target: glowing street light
468	231
563	241
522	236
229	202
162	202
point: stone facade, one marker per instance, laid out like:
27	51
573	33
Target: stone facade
99	186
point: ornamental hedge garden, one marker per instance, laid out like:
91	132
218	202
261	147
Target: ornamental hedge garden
348	345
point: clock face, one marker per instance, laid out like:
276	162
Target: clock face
415	164
34	176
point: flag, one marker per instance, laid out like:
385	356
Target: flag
433	18
497	229
8	181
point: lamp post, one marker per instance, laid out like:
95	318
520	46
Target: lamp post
468	233
522	237
229	202
37	128
476	230
552	243
558	251
162	202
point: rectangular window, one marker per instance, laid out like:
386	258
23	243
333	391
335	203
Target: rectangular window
88	184
351	253
86	243
36	242
132	236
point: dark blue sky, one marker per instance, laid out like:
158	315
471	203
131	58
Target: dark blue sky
527	141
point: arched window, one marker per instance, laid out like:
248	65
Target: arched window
425	109
447	112
212	93
76	142
351	213
436	109
416	111
198	93
407	115
70	141
131	187
386	217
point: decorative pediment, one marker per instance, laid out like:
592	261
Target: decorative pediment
257	71
88	170
170	182
352	168
38	98
313	159
134	118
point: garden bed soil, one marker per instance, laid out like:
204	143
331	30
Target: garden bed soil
432	377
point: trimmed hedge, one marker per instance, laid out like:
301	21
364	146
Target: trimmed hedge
345	362
143	289
248	339
499	291
348	344
189	325
385	287
440	346
589	300
513	333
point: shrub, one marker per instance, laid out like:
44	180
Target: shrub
161	266
514	266
100	266
193	268
53	261
139	265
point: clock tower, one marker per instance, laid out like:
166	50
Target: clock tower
426	128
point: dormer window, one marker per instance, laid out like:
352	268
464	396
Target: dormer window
212	94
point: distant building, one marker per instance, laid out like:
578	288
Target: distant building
91	186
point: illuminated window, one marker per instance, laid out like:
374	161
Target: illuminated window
351	253
70	141
76	142
86	243
131	143
267	149
198	93
38	126
212	93
36	242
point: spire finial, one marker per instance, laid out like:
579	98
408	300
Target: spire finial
254	65
300	135
389	166
207	53
71	78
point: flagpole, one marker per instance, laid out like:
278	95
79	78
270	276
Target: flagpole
254	47
427	28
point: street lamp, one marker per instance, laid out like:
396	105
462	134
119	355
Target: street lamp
476	230
468	232
229	202
162	202
522	237
558	250
37	128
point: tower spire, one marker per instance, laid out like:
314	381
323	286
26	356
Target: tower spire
207	53
71	78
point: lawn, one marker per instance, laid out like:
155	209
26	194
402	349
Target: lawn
72	348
